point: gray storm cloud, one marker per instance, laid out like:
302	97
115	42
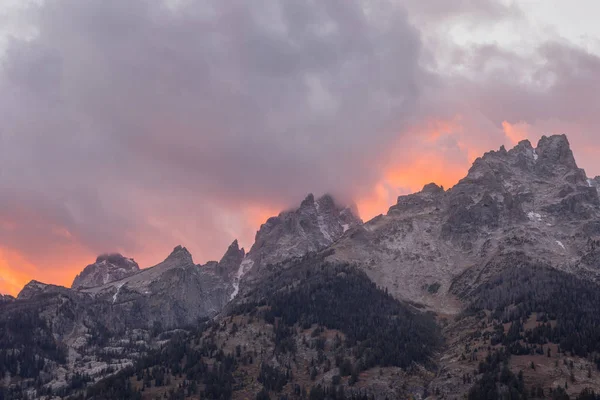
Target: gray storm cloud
228	102
135	125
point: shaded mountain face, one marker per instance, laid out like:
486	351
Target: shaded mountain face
309	326
175	292
36	289
107	268
436	245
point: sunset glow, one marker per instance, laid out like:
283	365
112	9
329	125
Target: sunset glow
201	120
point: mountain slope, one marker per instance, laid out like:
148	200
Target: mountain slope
301	333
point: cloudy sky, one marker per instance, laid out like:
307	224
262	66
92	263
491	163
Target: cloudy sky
137	125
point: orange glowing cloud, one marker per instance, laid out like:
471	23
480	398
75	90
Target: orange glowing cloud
59	267
518	132
403	180
15	271
60	263
376	202
432	152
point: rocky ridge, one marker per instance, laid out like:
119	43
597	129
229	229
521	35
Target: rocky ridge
434	246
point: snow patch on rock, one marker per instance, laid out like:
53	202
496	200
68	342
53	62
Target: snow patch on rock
245	266
534	217
117	292
322	225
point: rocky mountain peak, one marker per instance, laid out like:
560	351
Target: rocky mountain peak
552	159
523	145
525	199
326	201
107	268
113	258
180	255
234	248
308	201
309	228
556	150
232	259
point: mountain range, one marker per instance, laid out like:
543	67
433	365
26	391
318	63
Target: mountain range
489	289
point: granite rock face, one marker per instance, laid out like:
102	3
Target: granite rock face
107	268
310	228
313	226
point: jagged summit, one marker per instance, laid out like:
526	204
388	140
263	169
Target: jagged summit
553	155
234	248
308	201
506	171
314	225
114	258
107	268
530	200
556	150
231	260
180	254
